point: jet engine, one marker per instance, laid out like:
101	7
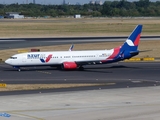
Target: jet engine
69	65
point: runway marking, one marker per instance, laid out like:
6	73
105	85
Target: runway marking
35	110
26	116
16	112
39	71
44	72
136	81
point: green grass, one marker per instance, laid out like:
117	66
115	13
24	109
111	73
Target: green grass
76	27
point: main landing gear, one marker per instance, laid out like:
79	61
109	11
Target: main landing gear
80	68
18	68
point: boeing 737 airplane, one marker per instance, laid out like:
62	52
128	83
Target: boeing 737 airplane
70	60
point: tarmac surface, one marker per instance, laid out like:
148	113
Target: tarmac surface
122	74
142	103
107	72
148	71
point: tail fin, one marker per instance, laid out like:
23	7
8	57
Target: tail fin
132	41
130	46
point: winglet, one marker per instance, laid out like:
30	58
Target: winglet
71	47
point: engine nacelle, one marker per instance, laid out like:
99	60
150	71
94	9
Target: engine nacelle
69	65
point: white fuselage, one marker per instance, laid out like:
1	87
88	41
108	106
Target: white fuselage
56	58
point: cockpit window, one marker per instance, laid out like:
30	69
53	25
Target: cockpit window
13	57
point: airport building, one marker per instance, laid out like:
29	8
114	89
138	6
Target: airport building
77	16
97	2
14	15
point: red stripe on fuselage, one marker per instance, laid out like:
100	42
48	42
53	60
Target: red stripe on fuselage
48	58
115	53
136	42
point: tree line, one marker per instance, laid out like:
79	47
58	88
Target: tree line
120	8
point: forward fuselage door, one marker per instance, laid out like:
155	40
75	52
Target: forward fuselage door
24	59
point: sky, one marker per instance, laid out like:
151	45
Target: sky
52	1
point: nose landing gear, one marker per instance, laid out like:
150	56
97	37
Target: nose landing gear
18	68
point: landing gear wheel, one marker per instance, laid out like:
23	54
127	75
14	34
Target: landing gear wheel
19	70
81	68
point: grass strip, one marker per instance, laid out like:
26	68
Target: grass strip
60	27
17	87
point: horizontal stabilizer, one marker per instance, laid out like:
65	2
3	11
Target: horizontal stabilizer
145	50
134	52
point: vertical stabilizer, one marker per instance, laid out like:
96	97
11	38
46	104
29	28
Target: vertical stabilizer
132	41
130	46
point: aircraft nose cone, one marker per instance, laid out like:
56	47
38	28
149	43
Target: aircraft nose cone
7	61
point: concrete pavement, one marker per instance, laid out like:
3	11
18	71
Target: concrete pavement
141	103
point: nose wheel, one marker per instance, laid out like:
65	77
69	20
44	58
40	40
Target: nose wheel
18	68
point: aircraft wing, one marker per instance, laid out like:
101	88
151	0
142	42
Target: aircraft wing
91	62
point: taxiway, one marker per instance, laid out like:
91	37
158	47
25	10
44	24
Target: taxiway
123	74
